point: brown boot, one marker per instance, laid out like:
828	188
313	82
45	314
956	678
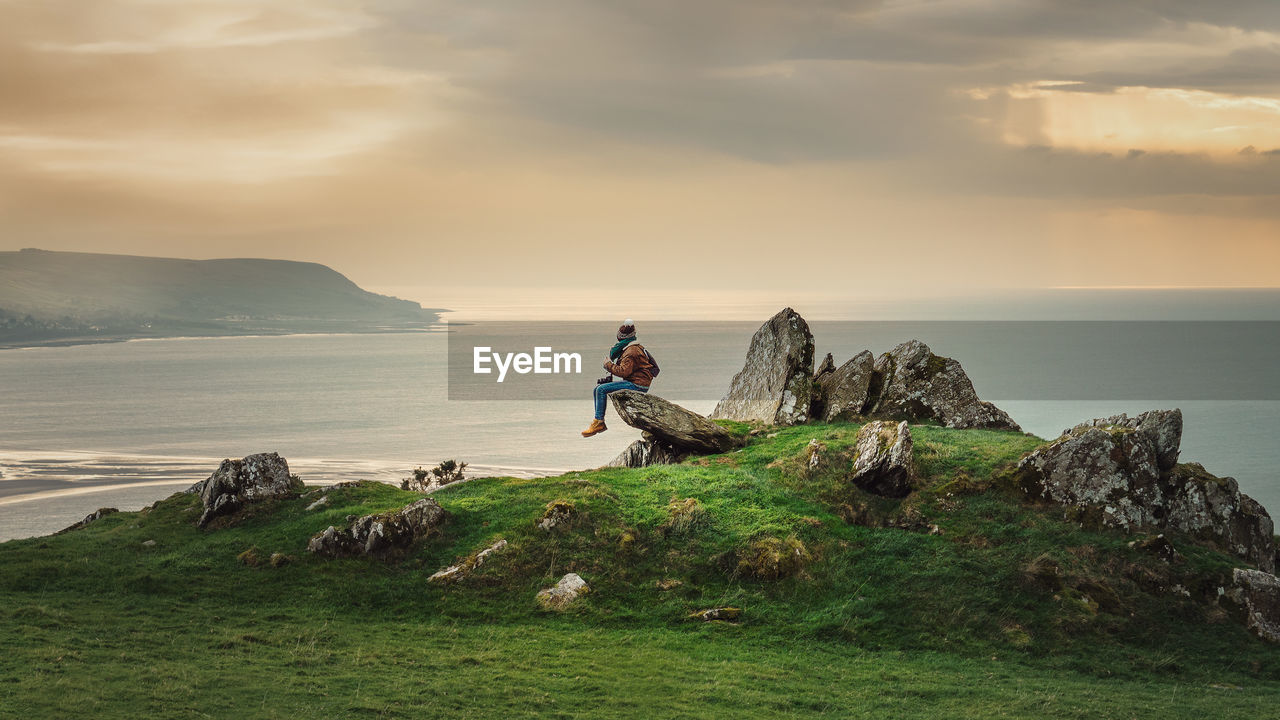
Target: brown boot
597	427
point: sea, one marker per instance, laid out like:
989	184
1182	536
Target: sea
125	424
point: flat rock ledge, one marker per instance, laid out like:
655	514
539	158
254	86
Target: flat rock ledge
237	482
671	433
381	533
1121	472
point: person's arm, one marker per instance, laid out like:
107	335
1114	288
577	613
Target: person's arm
625	365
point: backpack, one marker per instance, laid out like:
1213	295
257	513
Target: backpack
654	363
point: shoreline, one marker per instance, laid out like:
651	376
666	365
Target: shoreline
431	327
44	492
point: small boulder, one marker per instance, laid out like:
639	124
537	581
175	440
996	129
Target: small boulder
1257	593
843	393
564	593
236	482
324	500
381	533
665	421
1160	547
775	385
882	464
912	383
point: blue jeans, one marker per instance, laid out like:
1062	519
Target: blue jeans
602	392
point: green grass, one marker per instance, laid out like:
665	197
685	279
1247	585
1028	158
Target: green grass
1009	612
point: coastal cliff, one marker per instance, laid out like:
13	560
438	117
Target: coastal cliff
66	298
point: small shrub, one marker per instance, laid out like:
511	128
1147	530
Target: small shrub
683	516
773	558
423	480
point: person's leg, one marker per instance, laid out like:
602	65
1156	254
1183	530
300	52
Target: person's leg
602	392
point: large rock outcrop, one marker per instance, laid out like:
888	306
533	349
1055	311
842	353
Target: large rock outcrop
236	482
1112	470
882	461
912	383
381	533
775	384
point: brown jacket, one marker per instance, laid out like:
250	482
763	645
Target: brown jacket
634	365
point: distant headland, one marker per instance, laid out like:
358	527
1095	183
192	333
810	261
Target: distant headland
68	298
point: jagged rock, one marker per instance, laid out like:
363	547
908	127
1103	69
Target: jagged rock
460	570
775	384
1212	508
828	365
1111	471
559	597
1162	427
911	383
883	464
664	420
332	542
844	392
1257	593
646	452
381	533
236	482
95	515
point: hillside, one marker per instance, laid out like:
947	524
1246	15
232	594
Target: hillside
66	297
963	599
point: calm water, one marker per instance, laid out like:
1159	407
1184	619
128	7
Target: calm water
125	424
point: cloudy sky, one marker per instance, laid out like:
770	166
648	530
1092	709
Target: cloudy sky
636	146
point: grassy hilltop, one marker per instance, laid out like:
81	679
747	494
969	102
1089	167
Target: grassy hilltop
962	600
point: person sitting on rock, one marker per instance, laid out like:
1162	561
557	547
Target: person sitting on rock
629	361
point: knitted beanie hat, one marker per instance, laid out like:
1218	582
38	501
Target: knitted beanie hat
627	331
